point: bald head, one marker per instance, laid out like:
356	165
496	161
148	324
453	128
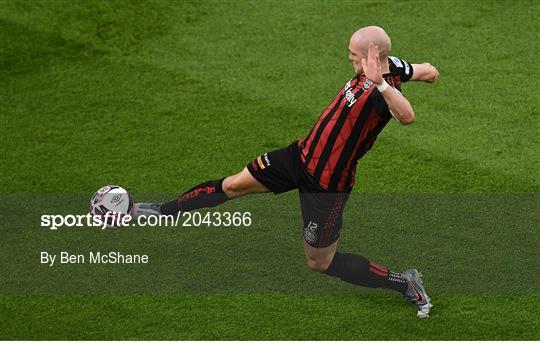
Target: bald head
371	34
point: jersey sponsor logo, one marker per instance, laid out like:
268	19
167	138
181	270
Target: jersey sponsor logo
349	95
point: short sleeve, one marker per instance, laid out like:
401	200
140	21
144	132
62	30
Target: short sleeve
403	68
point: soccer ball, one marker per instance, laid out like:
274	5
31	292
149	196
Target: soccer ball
111	203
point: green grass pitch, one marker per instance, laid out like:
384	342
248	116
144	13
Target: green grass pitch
160	95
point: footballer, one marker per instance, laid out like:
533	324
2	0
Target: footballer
322	166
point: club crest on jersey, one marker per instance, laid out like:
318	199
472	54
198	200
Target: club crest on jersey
349	95
367	85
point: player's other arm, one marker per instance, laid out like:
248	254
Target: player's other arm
424	72
400	108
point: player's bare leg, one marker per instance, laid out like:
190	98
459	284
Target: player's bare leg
241	184
206	194
319	259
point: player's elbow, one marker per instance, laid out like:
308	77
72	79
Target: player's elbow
406	118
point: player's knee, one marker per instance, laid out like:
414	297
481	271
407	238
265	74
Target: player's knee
319	264
232	187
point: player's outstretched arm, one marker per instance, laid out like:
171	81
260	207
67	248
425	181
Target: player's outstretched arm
399	106
424	72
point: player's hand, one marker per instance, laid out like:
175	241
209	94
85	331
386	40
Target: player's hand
372	67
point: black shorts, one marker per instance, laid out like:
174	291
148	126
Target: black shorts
322	210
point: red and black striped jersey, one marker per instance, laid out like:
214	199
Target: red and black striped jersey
347	129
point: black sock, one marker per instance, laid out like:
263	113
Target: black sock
360	271
207	194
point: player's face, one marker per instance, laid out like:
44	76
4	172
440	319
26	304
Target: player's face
355	58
